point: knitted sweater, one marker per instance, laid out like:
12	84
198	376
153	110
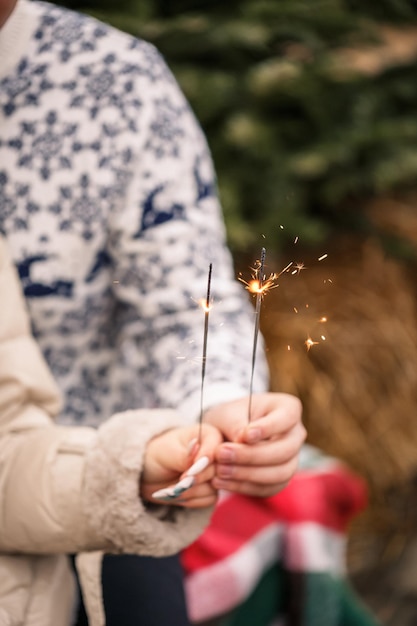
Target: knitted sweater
108	201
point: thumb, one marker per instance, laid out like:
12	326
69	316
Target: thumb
204	450
210	439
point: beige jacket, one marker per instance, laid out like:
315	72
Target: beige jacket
67	489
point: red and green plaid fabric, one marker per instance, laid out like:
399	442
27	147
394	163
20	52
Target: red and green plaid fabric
281	560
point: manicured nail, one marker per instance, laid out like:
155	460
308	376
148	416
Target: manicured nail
169	493
226	455
225	471
162	494
218	483
198	466
184	484
191	445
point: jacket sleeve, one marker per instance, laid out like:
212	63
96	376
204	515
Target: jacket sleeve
68	489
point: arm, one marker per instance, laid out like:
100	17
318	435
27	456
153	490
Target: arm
74	489
162	241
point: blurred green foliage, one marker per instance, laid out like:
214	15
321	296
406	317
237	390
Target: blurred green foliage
299	137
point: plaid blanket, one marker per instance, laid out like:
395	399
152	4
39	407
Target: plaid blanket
280	560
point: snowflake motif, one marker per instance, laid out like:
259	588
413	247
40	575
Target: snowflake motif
166	129
24	88
118	162
85	205
44	146
106	84
110	297
67	32
7	201
16	207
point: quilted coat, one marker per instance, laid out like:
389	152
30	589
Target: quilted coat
67	490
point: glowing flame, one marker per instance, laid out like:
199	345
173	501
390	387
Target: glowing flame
261	286
257	287
309	343
203	304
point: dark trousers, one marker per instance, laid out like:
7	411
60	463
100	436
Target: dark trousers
142	591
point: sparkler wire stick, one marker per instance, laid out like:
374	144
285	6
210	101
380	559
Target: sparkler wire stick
259	294
203	363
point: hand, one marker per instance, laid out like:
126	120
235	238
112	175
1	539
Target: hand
168	458
259	457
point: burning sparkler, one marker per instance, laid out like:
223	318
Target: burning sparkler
259	285
206	308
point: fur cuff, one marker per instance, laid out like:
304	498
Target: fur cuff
111	499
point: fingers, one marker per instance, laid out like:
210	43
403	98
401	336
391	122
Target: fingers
202	454
195	496
272	452
272	477
264	457
273	416
249	488
200	472
259	459
199	496
210	440
198	503
190	478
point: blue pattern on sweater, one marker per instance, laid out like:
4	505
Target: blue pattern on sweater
108	201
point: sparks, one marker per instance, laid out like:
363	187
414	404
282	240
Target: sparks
309	343
322	257
204	304
322	320
298	267
260	287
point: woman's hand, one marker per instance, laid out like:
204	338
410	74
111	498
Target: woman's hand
176	455
259	457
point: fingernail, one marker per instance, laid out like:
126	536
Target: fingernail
184	484
254	435
224	471
226	455
218	483
169	493
191	445
162	494
198	466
